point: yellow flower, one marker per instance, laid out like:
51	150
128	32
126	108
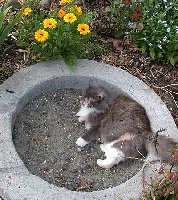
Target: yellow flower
26	11
76	9
61	13
64	2
49	23
83	29
70	18
41	35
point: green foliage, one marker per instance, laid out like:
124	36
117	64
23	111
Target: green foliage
119	15
114	13
6	28
166	187
159	35
64	41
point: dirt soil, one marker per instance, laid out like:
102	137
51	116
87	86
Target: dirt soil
44	136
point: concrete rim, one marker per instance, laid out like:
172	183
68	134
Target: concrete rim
16	182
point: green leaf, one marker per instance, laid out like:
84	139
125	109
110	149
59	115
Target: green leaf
10	26
144	47
119	33
152	53
117	2
3	14
172	197
6	10
171	59
108	9
1	19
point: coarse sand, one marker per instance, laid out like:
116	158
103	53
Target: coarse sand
44	135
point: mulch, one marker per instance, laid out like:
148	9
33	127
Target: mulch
161	77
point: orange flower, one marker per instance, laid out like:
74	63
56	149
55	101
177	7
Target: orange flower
61	13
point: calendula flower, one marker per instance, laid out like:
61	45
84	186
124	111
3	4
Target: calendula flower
26	11
49	23
64	2
61	13
83	29
41	35
76	9
70	18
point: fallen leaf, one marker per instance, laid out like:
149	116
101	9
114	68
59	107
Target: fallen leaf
117	44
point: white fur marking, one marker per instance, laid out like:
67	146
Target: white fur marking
81	119
87	125
81	142
113	156
84	111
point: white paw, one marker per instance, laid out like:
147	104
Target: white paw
81	119
107	163
101	163
81	142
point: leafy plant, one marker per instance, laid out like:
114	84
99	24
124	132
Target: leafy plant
5	29
159	32
119	14
165	188
61	33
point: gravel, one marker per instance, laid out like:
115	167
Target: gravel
44	135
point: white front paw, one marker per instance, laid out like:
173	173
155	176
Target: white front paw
81	142
107	163
99	162
81	119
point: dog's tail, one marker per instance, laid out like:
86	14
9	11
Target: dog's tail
165	148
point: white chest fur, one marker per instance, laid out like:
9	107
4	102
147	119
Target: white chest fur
84	111
83	114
